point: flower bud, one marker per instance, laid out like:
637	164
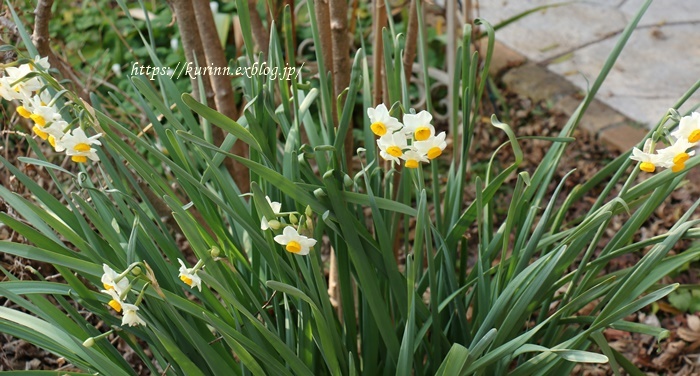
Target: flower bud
136	270
674	114
274	224
89	342
293	219
309	223
215	252
319	193
30	269
308	211
347	180
117	69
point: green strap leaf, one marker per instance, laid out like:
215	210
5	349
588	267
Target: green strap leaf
222	121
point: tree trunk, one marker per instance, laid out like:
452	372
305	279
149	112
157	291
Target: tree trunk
223	91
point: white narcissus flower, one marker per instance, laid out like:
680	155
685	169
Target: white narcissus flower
276	208
413	158
295	243
7	92
382	122
36	108
42	62
674	156
432	147
189	276
109	280
43	115
130	317
391	146
418	125
56	133
689	128
116	302
78	145
649	160
16	77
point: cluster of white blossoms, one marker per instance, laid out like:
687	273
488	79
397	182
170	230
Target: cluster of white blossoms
117	286
290	238
674	157
414	141
19	84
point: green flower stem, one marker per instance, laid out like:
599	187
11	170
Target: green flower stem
141	293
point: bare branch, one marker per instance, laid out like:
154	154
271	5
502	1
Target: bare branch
223	91
339	33
411	41
7	24
341	63
323	21
192	44
260	33
378	51
40	37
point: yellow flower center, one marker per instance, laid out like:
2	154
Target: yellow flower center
186	279
293	247
422	133
378	128
43	135
681	158
694	136
394	151
412	163
107	286
678	167
52	141
434	152
38	119
115	305
81	147
647	167
78	159
22	111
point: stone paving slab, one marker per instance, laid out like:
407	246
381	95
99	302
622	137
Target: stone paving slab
659	63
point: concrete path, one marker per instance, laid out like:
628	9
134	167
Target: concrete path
659	63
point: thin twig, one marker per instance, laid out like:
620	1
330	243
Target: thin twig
165	371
